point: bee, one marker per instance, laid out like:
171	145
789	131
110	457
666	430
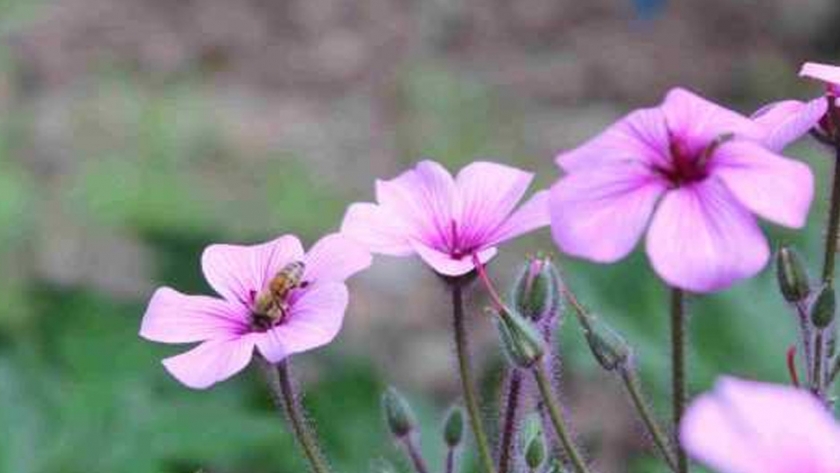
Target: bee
271	305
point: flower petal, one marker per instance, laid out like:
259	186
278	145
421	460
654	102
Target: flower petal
446	265
697	121
786	121
488	192
425	199
236	271
377	229
823	72
599	214
531	215
173	317
313	321
770	185
641	136
702	239
749	427
335	258
211	362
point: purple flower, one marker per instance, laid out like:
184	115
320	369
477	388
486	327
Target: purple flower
750	427
445	220
784	122
273	297
692	174
826	73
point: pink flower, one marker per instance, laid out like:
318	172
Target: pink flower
784	122
425	211
823	72
269	301
694	173
750	427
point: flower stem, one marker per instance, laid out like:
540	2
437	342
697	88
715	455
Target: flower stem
833	222
467	385
834	371
631	381
817	376
805	328
450	460
284	397
557	418
414	454
678	388
514	389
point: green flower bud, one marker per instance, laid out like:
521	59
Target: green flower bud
822	312
533	442
522	343
606	344
453	427
792	275
398	413
537	291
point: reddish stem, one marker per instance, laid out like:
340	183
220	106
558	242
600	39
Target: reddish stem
791	364
482	274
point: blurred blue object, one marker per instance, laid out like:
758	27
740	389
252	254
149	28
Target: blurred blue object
647	9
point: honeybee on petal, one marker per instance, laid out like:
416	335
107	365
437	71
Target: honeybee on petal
271	305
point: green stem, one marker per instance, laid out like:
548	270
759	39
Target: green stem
817	376
285	398
631	381
558	419
833	222
805	328
678	368
467	384
835	370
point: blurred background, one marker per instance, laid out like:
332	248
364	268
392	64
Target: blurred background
134	133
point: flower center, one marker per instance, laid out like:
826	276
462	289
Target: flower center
454	246
687	166
271	305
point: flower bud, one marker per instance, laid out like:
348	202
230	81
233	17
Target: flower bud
606	344
792	276
822	312
453	427
522	343
533	442
398	413
537	291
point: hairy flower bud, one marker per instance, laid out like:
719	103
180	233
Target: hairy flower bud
822	312
537	291
522	343
606	344
792	275
453	427
398	413
533	442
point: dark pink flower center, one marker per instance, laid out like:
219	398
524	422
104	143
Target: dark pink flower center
685	165
455	246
